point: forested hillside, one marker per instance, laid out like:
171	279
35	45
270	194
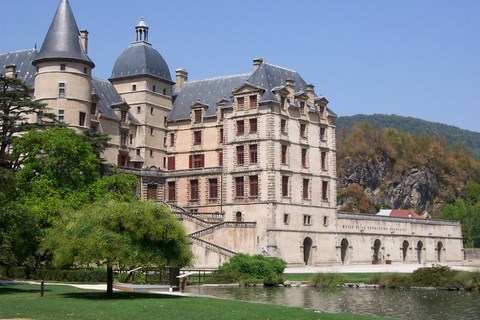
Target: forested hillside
388	168
452	135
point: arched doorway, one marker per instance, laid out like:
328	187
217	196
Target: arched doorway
238	216
419	251
376	249
405	250
439	251
343	250
307	248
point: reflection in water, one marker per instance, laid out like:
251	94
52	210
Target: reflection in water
395	303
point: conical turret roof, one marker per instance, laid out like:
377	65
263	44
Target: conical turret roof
63	38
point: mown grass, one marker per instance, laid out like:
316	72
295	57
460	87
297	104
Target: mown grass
65	302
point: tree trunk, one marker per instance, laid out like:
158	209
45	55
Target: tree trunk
109	281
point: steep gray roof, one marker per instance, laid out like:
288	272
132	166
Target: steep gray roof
141	59
63	38
23	61
207	91
108	97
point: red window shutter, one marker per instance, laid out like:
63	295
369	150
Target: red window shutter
119	159
202	160
220	158
171	163
190	161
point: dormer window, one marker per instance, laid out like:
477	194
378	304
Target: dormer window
240	102
198	116
253	102
123	115
93	108
282	102
302	107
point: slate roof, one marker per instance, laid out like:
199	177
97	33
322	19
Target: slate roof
63	38
208	92
23	61
267	77
141	59
108	97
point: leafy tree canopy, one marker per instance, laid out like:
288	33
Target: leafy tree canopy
122	234
18	114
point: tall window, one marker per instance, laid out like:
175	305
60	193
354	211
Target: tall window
240	155
81	119
322	134
324	190
61	90
253	125
285	186
240	127
123	116
197	161
220	159
324	160
93	108
282	102
220	133
240	103
303	130
304	157
197	137
63	67
305	191
253	186
171	163
198	116
253	153
172	139
253	102
283	125
213	189
239	187
284	154
302	107
194	190
172	195
123	139
134	87
61	115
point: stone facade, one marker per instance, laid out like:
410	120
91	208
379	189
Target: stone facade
246	162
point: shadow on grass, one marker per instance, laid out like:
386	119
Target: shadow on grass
12	290
102	295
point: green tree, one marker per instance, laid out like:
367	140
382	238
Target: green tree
467	211
18	114
119	234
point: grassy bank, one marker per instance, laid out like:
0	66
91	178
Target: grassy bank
65	302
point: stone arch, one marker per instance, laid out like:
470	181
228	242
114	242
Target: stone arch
405	246
343	250
439	251
307	250
238	216
376	249
419	251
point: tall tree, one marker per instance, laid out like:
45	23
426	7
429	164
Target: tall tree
119	234
19	113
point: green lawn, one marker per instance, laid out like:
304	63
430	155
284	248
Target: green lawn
65	302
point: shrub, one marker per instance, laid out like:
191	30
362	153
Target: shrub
328	280
467	280
436	276
247	269
393	280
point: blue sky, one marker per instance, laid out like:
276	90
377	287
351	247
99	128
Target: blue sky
418	58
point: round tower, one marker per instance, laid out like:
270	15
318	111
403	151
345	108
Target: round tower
63	78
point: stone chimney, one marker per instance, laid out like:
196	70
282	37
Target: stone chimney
181	78
311	93
10	71
84	40
257	63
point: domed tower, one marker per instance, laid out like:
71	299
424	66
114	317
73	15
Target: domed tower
63	79
142	78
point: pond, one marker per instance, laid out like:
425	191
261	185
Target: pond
393	303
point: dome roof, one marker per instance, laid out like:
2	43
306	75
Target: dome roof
141	59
